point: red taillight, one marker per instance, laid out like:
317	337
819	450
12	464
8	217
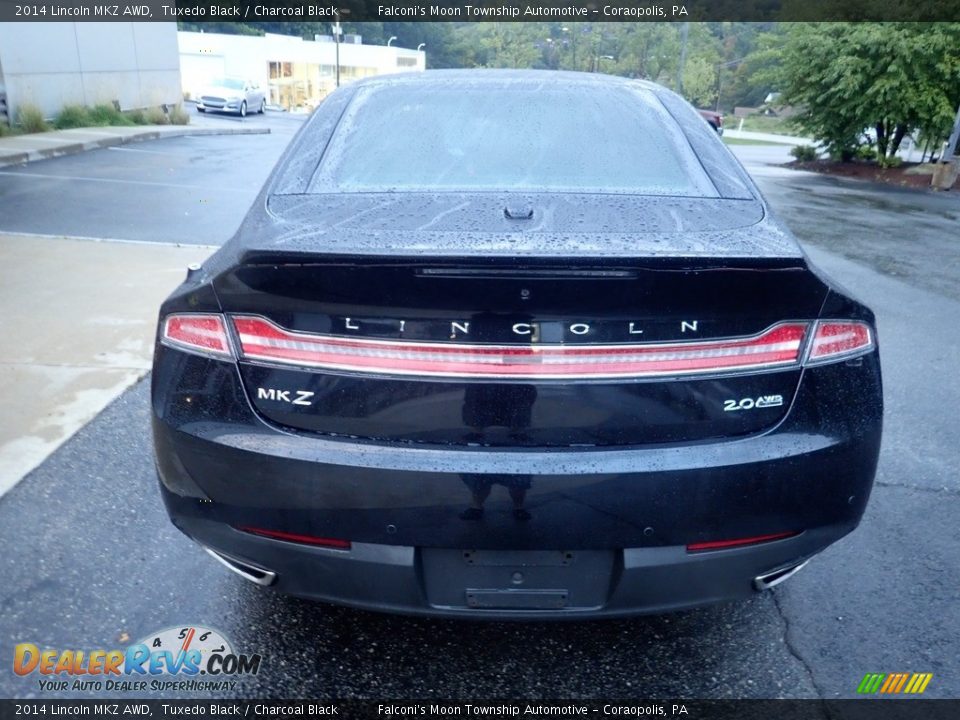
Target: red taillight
332	543
838	339
200	333
739	542
261	339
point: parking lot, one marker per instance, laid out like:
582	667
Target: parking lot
91	560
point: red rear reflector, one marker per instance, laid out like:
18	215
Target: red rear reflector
332	543
838	339
205	334
261	339
722	544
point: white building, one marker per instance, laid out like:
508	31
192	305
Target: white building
52	64
297	73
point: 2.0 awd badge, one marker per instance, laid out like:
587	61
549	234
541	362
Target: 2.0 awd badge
764	401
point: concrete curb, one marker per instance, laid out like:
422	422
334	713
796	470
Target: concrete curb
767	137
21	149
60	373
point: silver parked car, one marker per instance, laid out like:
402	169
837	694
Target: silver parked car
232	95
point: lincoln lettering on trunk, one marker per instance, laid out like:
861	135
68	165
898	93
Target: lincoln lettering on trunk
527	330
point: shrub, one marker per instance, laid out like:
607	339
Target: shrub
30	119
105	114
155	116
5	129
866	152
890	162
73	116
804	153
179	116
137	117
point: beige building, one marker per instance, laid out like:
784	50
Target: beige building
52	64
297	73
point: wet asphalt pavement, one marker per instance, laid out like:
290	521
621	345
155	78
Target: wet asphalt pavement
92	562
190	190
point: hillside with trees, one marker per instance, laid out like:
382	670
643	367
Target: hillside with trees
712	69
851	84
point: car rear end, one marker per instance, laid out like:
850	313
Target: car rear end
547	403
714	119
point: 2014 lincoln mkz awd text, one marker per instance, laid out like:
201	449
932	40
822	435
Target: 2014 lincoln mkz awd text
513	344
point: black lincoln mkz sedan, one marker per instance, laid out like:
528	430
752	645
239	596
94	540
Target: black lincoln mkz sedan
513	344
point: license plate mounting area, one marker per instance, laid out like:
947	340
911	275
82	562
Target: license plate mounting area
519	580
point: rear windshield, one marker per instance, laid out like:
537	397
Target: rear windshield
503	137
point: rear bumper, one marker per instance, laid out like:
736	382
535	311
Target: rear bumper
421	581
626	514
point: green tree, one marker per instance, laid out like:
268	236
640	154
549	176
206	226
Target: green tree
700	82
507	44
891	77
652	52
754	72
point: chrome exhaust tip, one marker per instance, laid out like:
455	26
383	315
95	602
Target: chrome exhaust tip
254	574
772	579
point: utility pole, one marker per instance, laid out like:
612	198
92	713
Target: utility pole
684	32
953	144
946	171
336	39
573	44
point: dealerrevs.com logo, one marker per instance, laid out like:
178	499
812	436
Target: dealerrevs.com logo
171	659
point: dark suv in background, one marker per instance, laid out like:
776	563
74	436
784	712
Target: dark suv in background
714	119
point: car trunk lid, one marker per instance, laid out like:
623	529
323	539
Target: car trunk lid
298	315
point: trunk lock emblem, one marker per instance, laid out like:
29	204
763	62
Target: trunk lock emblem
522	212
